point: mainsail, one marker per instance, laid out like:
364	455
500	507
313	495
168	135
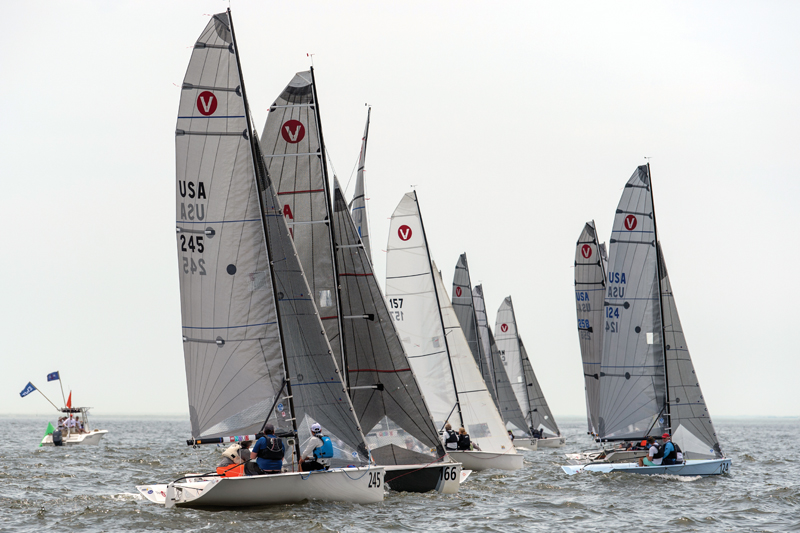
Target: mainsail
467	313
295	154
632	373
432	336
540	416
507	402
383	388
359	203
254	345
520	371
690	421
231	339
590	286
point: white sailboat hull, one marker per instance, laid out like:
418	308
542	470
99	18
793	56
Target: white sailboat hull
78	438
708	467
475	460
549	442
353	485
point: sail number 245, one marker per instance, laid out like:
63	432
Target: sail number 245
192	244
396	303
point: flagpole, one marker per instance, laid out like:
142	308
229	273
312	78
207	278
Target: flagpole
45	397
62	389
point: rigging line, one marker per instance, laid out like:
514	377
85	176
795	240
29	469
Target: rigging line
355	166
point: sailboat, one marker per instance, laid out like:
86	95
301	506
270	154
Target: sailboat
648	384
523	380
470	309
254	344
382	385
590	286
346	292
436	347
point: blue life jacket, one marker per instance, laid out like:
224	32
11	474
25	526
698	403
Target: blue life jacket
326	450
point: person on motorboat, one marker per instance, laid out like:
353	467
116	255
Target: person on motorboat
269	451
464	442
79	425
450	438
234	459
318	452
60	424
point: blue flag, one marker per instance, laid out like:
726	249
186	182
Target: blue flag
52	376
29	388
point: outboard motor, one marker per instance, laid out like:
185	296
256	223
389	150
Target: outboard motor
58	439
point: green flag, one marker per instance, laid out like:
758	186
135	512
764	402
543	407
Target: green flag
49	431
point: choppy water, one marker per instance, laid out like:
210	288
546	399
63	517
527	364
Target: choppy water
91	488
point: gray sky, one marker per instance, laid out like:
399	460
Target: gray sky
516	122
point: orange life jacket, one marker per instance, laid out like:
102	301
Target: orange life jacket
231	470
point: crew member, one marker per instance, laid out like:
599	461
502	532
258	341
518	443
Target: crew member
464	442
234	459
450	438
510	435
671	451
654	454
318	452
270	451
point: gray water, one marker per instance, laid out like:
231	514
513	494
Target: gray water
92	488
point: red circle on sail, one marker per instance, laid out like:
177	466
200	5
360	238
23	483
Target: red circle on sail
504	328
586	251
404	232
206	103
293	131
458	291
630	222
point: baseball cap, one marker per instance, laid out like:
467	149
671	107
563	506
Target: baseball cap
665	436
316	428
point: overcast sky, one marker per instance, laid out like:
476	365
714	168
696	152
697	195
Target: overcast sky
516	122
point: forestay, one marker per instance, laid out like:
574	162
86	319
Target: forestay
383	388
590	285
448	375
231	341
632	375
540	416
467	313
689	418
359	203
294	152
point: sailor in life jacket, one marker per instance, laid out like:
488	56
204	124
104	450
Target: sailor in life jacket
318	452
269	452
450	438
464	443
671	452
233	460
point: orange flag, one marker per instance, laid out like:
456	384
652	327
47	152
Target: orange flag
69	400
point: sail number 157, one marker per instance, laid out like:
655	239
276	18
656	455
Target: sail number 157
396	303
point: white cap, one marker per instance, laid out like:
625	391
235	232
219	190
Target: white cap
316	428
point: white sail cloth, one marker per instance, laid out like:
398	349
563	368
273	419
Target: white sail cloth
453	387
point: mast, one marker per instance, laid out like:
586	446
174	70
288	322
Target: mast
660	303
521	364
259	163
439	307
329	223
